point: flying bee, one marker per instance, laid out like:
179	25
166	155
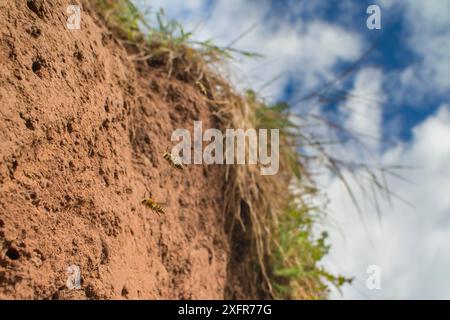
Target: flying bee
176	163
150	203
202	87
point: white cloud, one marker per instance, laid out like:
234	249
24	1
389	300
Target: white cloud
411	243
430	38
427	34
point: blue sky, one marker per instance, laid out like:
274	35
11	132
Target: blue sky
399	96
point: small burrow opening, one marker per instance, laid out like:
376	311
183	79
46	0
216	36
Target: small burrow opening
13	167
69	127
34	31
78	55
36	7
12	254
37	65
29	124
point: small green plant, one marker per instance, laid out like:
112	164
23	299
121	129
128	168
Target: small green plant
123	17
297	253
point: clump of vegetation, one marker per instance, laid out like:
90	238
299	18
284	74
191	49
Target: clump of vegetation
281	217
296	273
164	43
291	253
